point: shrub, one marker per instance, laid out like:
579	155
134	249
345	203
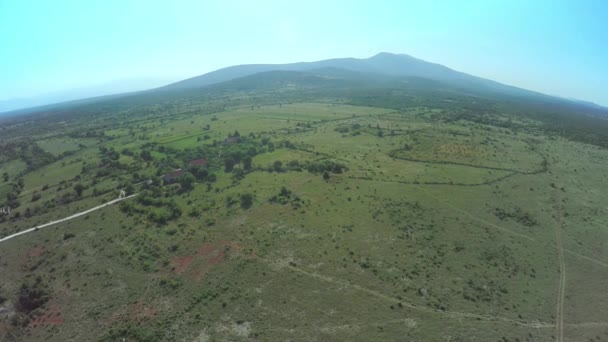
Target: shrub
246	200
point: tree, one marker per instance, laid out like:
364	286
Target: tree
5	177
237	134
130	189
187	181
246	200
238	173
228	165
247	163
326	175
277	166
32	296
78	188
200	173
35	196
146	155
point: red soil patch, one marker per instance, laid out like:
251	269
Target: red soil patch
36	251
32	254
181	263
50	316
4	328
209	255
216	257
206	249
140	311
235	246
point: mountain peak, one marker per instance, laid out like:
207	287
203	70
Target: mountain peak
386	55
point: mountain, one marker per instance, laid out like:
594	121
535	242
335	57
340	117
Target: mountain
384	70
382	64
389	68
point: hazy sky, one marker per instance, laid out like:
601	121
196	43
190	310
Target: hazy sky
556	47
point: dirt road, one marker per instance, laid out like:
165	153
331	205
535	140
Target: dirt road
65	219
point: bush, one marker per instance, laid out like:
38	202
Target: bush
246	200
32	296
78	189
36	196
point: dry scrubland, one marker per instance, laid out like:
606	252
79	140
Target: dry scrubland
331	222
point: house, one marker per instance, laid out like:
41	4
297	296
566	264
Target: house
232	140
198	162
173	176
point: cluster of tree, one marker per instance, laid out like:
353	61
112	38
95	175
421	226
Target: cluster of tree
342	129
304	124
108	154
517	214
241	154
202	174
286	144
31	297
159	209
28	151
323	166
36	157
245	200
12	198
87	133
286	196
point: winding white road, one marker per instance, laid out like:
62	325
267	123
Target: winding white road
66	218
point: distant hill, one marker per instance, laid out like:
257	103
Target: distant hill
384	70
383	65
111	88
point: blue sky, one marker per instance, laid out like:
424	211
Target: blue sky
555	47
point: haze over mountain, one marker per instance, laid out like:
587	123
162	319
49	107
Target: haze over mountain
380	66
387	64
392	70
110	88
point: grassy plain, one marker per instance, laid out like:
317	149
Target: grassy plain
435	231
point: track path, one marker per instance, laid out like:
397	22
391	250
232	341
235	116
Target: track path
66	218
510	231
380	295
559	308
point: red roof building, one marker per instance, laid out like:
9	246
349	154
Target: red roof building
198	162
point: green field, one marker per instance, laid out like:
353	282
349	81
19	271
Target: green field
57	146
364	224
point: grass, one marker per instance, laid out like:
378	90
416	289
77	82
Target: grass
58	146
452	237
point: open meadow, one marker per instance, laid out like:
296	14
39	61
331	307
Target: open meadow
308	221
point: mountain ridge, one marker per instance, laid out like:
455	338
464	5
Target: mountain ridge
383	65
